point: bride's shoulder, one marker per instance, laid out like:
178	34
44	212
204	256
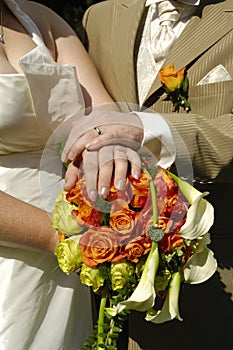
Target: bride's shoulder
39	13
32	7
44	17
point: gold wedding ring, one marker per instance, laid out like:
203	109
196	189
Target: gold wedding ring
98	131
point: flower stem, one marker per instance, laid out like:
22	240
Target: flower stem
155	213
100	339
112	323
153	196
154	203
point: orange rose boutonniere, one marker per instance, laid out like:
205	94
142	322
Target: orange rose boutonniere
176	86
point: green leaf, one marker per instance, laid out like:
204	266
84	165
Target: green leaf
117	329
185	84
91	340
113	335
102	335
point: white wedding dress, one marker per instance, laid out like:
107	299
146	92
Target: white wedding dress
40	307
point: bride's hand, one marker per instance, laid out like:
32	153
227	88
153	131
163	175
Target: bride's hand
99	167
101	128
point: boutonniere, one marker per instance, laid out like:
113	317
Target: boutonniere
176	86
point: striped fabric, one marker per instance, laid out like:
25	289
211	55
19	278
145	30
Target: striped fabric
113	31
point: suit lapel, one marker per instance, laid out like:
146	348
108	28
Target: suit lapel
204	31
126	18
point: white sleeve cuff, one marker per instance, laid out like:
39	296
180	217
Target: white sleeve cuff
156	128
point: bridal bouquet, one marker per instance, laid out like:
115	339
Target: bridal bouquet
135	248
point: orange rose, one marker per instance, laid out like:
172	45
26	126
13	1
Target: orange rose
146	221
113	194
85	215
141	185
165	185
143	220
74	195
170	183
160	185
139	189
171	78
137	248
138	201
122	221
179	210
160	205
164	223
77	193
169	204
99	246
84	209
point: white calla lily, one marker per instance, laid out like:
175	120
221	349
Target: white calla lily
202	264
200	216
170	308
188	191
143	297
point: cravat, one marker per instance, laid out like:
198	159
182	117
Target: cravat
168	15
147	65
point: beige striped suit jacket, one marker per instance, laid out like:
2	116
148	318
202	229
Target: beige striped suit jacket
113	34
113	30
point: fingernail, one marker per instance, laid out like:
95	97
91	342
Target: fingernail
121	184
104	192
136	174
93	195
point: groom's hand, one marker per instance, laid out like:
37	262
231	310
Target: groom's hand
102	128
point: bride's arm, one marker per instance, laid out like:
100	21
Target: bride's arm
70	51
25	226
